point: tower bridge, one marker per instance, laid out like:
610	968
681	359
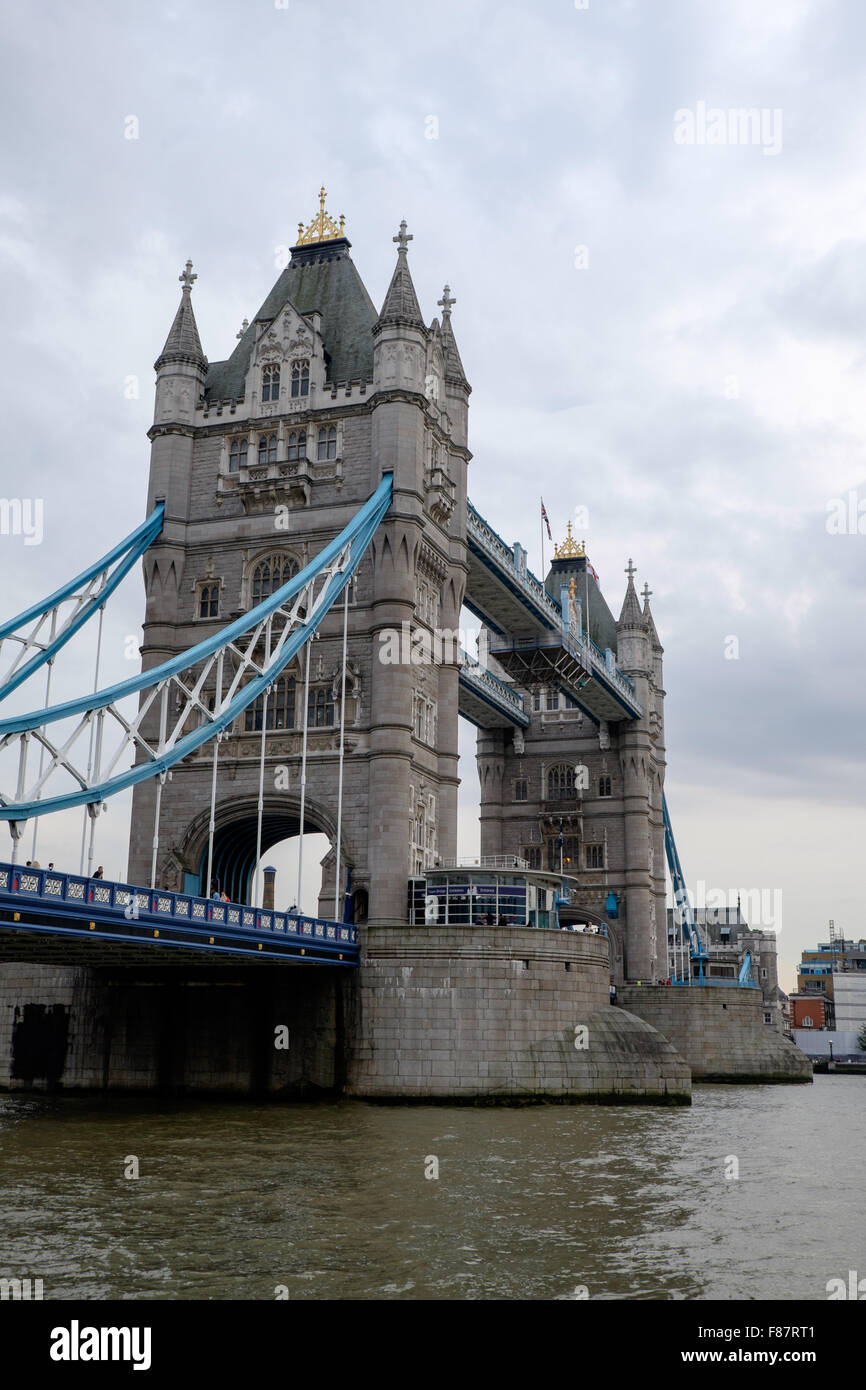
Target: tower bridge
307	497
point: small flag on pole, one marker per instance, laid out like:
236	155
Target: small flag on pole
546	520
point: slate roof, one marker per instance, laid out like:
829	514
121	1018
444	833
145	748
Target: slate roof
602	624
631	615
183	339
401	302
453	364
324	277
651	627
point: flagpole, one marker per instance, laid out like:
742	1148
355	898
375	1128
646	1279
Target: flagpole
543	575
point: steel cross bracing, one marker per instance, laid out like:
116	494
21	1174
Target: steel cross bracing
52	627
238	664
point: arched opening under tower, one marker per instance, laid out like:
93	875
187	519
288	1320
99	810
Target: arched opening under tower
235	861
315	893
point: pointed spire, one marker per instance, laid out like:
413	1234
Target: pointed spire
183	340
631	615
648	619
453	365
401	302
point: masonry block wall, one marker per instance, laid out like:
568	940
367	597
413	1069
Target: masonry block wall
720	1032
479	1016
171	1030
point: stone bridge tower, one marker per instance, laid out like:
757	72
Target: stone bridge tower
262	458
587	794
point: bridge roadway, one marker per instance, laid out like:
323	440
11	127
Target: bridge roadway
71	919
535	646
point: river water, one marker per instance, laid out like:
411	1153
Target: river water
332	1201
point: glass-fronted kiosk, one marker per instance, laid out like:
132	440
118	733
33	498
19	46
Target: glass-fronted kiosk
498	890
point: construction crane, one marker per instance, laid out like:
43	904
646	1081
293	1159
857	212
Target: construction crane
697	949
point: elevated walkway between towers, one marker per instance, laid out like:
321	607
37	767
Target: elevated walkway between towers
532	642
486	701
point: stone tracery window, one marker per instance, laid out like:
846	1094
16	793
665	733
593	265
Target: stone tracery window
271	572
560	783
297	445
281	707
271	382
321	707
209	600
327	443
238	454
301	377
267	449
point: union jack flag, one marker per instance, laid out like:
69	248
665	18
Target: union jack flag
545	518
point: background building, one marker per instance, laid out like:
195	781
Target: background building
831	995
729	939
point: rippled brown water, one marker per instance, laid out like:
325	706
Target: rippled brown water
332	1202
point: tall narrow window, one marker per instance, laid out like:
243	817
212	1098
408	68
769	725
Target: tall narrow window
595	856
281	707
238	454
267	449
327	445
297	445
271	382
552	699
301	377
209	601
520	789
604	786
320	707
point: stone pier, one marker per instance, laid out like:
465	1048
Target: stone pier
719	1031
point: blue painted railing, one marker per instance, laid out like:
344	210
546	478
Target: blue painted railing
84	897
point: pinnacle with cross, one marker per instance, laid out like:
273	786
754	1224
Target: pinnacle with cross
187	277
403	238
645	593
446	302
631	571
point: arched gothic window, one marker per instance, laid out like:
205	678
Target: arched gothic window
209	601
238	454
267	448
327	445
270	573
320	707
560	783
271	382
297	445
281	707
301	377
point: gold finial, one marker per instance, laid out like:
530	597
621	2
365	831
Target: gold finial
569	549
323	227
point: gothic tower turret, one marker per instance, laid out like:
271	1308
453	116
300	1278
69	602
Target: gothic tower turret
180	369
642	925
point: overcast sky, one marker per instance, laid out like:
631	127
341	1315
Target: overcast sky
669	334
